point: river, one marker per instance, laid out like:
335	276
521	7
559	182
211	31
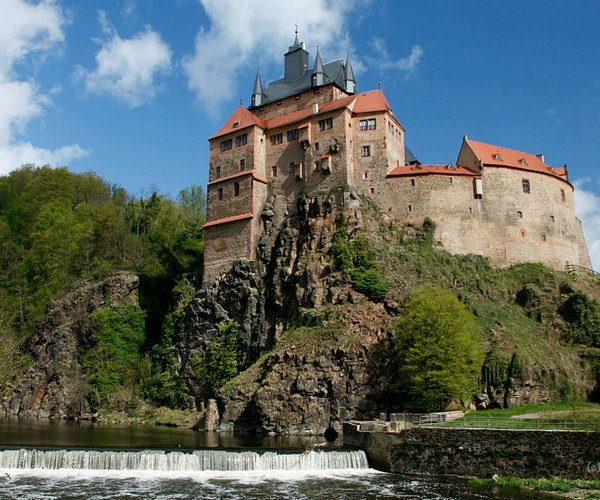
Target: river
56	460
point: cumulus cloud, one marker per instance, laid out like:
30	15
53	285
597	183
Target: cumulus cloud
127	69
587	207
256	32
26	30
407	65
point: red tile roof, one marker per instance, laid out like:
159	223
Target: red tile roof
373	101
504	157
232	176
243	118
234	218
448	169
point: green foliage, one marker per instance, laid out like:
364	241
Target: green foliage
12	360
220	362
438	350
583	315
113	360
165	385
353	257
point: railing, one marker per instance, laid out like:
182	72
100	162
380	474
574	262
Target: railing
513	423
569	268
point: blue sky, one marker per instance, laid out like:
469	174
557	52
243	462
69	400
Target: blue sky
133	89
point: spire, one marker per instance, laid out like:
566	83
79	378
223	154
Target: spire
258	94
318	72
296	42
350	79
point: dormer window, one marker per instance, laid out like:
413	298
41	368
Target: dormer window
497	157
523	162
235	125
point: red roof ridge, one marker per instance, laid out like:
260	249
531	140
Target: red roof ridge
432	169
240	119
225	220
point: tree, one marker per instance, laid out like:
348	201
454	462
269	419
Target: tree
219	364
438	351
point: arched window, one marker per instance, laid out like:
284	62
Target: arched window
236	189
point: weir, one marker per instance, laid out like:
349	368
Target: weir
199	460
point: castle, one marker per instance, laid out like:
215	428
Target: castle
312	130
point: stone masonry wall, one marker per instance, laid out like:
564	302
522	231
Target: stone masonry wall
506	224
481	452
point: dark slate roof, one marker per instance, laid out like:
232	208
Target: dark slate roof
334	72
409	157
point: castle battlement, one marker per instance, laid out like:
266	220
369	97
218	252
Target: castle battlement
313	130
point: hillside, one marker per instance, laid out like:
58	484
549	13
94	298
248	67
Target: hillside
98	312
317	348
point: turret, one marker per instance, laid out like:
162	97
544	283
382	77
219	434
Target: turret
318	74
296	61
258	94
350	79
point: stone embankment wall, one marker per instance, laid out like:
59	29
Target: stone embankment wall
481	452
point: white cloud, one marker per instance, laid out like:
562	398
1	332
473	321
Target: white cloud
587	207
257	32
384	61
27	30
127	69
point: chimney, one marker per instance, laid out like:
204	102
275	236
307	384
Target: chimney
315	109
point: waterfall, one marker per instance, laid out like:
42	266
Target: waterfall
199	460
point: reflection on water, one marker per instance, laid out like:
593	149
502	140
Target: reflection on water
60	433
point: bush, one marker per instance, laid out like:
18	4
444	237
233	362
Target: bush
438	350
352	256
219	363
583	315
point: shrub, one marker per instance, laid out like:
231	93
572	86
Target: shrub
583	315
219	363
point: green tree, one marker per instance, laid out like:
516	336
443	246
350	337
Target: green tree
219	363
438	351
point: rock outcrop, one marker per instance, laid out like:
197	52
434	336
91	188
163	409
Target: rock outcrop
292	391
54	386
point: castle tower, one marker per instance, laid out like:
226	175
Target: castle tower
308	130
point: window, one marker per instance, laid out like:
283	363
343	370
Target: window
526	186
372	123
410	208
372	190
235	125
220	191
226	145
316	146
363	125
552	219
240	140
292	168
236	189
242	164
519	214
365	151
277	138
365	175
327	123
563	198
413	182
218	172
292	135
543	237
274	171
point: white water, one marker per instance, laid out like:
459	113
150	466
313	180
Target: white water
176	461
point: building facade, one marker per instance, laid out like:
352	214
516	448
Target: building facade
313	130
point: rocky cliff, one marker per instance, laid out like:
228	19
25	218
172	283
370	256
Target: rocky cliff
55	386
308	337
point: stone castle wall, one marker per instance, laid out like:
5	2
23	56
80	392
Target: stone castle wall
506	224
